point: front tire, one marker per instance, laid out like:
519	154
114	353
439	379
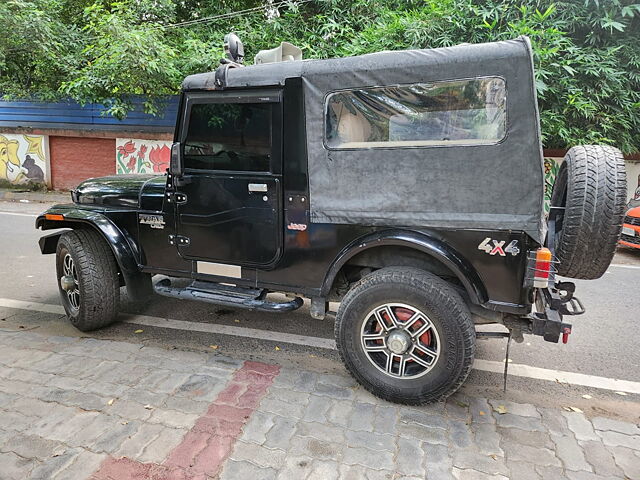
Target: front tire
406	335
87	279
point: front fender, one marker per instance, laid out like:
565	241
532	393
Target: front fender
123	246
441	251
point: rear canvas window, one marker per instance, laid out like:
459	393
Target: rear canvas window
463	112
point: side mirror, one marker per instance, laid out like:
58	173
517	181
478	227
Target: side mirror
175	165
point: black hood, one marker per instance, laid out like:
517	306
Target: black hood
115	191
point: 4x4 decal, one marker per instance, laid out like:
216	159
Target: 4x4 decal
497	247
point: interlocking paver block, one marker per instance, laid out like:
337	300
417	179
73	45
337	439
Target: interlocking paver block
258	455
520	409
467	459
509	420
234	470
82	466
128	409
317	408
522	471
333	391
412	416
255	430
410	457
295	467
15	467
534	439
133	446
617	439
627	460
420	432
340	412
601	423
580	426
373	441
280	434
538	456
471	474
323	470
328	433
32	446
358	472
162	445
459	434
314	448
480	410
487	439
571	454
369	458
600	459
173	418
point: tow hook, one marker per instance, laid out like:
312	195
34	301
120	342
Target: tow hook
565	334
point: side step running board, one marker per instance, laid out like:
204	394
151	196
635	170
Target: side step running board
230	296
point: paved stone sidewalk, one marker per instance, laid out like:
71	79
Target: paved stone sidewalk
94	409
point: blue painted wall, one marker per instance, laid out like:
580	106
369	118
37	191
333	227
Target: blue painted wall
72	115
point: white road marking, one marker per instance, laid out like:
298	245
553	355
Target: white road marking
19	214
515	369
634	267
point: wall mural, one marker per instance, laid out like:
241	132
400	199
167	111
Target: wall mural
22	158
551	167
142	156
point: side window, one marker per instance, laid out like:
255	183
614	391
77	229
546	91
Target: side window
422	114
227	136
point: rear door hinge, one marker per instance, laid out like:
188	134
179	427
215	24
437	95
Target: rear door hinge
179	240
175	197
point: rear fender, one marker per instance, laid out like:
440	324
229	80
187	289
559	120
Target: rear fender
444	253
123	246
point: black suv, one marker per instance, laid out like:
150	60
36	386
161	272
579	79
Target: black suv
406	185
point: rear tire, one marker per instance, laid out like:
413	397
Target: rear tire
86	257
591	186
434	364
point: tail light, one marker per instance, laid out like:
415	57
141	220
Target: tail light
542	269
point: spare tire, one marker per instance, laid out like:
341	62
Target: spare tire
592	189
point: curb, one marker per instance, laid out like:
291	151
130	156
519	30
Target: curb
35	197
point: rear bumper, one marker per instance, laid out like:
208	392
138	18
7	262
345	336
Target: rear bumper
631	233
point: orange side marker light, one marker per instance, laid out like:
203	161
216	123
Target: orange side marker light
53	216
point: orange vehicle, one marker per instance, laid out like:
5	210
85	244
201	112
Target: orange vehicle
631	226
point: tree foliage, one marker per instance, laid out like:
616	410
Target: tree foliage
587	52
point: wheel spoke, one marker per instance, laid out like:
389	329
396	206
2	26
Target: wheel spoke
375	347
409	323
423	329
392	316
425	350
381	321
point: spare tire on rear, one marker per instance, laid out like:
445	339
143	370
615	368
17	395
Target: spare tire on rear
591	190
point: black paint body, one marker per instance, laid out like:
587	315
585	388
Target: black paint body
226	223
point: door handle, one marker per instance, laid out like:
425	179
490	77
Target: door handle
257	187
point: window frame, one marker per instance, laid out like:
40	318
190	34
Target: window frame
273	97
399	85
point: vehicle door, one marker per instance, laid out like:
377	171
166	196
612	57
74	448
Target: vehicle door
229	199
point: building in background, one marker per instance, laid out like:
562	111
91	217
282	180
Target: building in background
61	144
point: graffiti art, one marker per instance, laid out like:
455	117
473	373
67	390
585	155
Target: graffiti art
22	158
142	156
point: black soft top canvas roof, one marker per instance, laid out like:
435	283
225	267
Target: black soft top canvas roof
497	186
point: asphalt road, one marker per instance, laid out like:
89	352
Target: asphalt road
604	342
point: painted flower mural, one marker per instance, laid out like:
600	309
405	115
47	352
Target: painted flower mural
159	156
142	156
